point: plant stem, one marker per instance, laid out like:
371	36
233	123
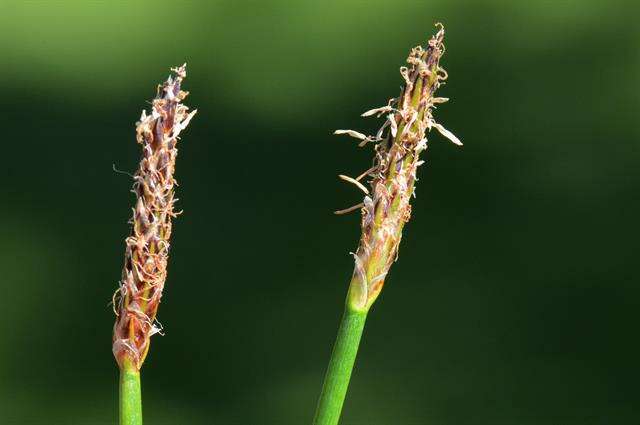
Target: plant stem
343	357
130	399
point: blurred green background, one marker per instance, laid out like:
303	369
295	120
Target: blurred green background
514	299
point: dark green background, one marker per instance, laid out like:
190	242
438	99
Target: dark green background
515	298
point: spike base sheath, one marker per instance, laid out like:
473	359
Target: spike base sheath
147	248
386	206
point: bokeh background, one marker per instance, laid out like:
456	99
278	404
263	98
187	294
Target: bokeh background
515	298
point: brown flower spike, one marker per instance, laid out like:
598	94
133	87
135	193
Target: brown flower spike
399	142
147	248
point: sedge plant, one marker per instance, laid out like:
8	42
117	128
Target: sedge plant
386	206
147	248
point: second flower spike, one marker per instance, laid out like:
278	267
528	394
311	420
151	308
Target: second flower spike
403	136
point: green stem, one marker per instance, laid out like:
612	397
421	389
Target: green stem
130	399
336	381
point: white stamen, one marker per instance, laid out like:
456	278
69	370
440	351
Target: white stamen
351	133
394	126
446	133
348	210
375	111
356	182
